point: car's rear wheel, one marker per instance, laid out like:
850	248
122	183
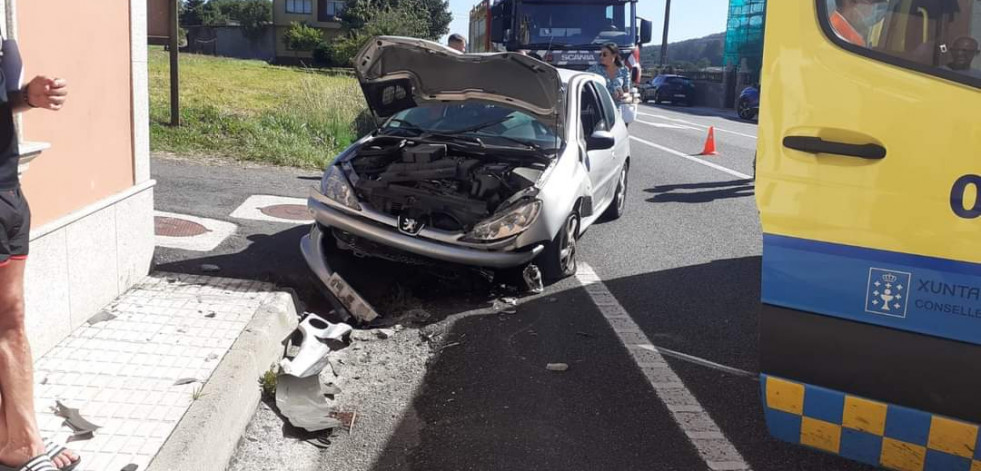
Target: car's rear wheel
560	257
619	204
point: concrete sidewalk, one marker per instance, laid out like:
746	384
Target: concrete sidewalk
122	369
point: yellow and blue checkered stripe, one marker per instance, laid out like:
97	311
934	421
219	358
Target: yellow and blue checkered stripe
871	432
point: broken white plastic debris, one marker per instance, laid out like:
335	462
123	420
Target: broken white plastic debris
557	367
533	279
319	338
302	403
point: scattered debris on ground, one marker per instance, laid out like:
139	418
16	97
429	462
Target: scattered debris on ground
533	279
183	381
300	397
557	367
101	316
210	268
82	429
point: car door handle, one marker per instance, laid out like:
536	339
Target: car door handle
816	145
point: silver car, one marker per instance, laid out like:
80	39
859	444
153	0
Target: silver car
487	160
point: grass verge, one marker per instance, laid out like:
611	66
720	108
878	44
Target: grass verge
250	110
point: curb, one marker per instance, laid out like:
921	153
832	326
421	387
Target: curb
206	437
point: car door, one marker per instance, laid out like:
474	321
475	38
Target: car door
616	126
599	162
868	185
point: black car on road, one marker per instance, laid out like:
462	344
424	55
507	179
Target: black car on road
677	89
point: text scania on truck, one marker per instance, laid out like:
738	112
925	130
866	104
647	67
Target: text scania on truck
564	33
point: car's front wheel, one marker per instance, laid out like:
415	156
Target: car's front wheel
560	257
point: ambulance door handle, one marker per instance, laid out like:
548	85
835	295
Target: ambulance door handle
816	145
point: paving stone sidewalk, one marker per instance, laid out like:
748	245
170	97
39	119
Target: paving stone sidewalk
121	371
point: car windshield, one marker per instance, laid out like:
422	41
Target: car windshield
492	124
575	24
678	81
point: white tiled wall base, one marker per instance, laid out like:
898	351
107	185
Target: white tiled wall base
121	373
82	265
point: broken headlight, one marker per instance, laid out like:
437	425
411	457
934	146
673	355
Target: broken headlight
505	225
335	186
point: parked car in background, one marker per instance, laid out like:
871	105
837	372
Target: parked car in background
475	162
748	104
677	89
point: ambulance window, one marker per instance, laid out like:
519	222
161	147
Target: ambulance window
938	37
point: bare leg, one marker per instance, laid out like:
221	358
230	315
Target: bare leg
23	440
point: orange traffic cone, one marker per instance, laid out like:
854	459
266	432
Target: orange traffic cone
710	143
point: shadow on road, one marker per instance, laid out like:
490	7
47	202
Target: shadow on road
488	401
391	288
711	191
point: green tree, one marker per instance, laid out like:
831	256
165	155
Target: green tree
300	37
438	16
253	16
435	15
406	19
191	13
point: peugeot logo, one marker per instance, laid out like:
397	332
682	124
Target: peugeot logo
410	226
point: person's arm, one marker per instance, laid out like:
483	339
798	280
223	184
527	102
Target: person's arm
41	92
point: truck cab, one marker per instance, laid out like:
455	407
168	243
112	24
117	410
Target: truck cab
868	181
564	33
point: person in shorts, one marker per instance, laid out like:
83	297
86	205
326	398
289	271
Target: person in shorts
21	444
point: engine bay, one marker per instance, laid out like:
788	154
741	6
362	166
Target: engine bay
442	186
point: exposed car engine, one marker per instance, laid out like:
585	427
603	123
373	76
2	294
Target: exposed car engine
439	185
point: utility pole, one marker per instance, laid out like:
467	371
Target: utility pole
175	107
664	40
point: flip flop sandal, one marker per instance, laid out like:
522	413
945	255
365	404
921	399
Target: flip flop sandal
52	449
38	463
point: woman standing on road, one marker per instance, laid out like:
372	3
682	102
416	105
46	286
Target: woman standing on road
611	68
617	75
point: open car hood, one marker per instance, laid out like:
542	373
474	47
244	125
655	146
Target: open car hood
400	73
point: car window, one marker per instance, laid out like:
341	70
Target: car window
590	111
609	109
938	37
678	81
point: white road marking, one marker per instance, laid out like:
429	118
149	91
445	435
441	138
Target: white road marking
693	159
218	231
702	126
712	445
250	209
665	126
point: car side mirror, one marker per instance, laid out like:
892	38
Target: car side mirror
600	140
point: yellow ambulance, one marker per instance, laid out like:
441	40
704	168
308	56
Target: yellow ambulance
868	181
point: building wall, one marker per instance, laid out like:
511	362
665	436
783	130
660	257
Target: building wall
91	157
91	192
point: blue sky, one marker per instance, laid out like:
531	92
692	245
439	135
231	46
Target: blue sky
689	18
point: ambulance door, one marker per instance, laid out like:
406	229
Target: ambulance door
868	178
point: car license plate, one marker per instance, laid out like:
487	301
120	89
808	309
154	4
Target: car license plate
679	95
351	300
